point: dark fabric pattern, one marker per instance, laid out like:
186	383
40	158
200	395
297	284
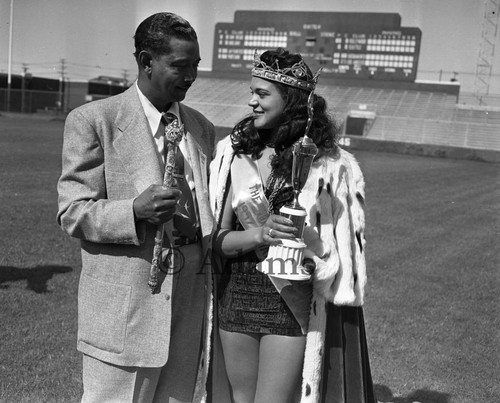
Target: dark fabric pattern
249	302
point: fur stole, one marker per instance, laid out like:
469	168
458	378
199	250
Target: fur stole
334	199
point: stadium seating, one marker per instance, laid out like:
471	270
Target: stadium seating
401	115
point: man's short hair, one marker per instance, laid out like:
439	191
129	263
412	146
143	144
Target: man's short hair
154	33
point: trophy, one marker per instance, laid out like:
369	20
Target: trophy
285	260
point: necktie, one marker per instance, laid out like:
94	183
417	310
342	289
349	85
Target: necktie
185	216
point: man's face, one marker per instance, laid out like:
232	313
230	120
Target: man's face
172	74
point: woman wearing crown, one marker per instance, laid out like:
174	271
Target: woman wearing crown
285	340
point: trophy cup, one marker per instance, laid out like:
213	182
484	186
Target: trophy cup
285	260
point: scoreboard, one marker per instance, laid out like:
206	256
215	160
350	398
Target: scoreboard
346	45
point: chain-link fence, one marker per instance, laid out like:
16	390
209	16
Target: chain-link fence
29	101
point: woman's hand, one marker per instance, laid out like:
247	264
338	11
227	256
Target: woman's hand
276	228
232	243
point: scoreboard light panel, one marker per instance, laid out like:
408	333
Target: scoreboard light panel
368	52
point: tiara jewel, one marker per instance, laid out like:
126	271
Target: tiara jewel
298	78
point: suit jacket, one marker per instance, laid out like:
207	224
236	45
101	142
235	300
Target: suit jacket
109	158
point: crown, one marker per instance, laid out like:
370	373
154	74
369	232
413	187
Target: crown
298	78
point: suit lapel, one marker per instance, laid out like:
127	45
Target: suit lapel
135	144
199	163
136	148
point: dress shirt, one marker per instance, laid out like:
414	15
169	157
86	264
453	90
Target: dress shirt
153	116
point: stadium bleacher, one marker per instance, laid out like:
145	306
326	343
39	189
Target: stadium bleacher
424	117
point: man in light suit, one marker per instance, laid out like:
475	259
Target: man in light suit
139	345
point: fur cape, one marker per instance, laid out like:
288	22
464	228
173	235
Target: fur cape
333	197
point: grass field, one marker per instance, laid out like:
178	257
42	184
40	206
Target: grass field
432	307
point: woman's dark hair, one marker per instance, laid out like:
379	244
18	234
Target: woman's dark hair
324	131
154	33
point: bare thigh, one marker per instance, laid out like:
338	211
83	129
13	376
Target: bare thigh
241	356
280	368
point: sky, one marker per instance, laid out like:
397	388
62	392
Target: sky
88	35
83	39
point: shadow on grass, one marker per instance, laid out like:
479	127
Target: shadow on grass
384	394
36	277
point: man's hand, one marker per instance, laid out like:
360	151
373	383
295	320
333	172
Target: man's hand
156	204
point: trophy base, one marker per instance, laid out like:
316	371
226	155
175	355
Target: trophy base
284	261
294	277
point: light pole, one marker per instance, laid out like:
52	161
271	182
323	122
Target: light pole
9	69
60	103
23	87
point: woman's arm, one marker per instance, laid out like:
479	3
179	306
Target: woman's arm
231	243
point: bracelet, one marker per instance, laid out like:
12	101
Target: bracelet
218	238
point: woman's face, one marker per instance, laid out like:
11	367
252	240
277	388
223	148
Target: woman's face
266	102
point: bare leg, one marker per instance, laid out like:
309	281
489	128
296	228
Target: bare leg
280	368
241	355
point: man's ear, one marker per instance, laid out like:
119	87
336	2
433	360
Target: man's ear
145	60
